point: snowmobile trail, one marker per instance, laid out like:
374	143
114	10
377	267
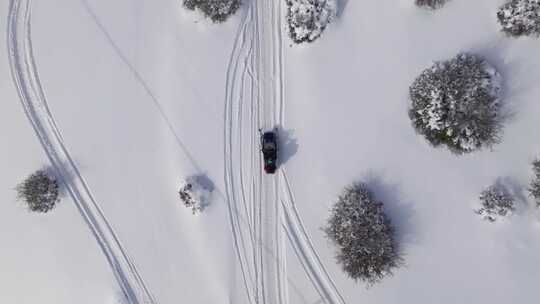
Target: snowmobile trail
34	102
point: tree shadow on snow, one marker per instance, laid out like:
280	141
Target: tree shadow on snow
203	180
341	4
400	211
516	190
514	89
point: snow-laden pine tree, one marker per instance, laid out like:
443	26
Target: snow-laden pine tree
307	19
456	103
496	202
363	234
534	187
40	191
194	194
520	18
216	10
432	4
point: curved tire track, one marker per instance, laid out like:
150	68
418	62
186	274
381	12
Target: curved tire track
32	96
304	249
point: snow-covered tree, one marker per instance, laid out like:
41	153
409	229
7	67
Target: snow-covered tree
216	10
520	18
307	19
364	235
534	187
194	194
40	191
432	4
495	202
456	103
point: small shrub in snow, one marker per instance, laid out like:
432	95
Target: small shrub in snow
40	191
496	202
216	10
307	19
520	18
358	226
194	194
432	4
534	187
455	103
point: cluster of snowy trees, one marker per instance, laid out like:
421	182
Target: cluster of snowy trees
216	10
363	235
520	18
455	103
40	191
307	19
432	4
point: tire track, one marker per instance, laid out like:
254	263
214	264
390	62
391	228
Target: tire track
304	249
240	216
34	102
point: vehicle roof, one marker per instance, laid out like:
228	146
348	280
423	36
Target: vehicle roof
268	135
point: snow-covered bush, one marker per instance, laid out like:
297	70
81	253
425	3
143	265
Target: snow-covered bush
534	187
216	10
40	191
195	194
455	103
520	18
496	202
364	235
432	4
307	19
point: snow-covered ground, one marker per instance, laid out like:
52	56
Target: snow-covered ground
141	94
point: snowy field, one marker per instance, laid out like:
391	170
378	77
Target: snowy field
128	97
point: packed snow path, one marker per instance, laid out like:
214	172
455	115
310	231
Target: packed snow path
261	215
32	96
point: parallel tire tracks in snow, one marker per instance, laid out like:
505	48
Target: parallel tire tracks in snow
303	247
31	93
262	210
240	216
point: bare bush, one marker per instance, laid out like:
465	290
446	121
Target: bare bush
364	235
534	187
431	4
496	202
40	191
195	193
216	10
520	18
455	103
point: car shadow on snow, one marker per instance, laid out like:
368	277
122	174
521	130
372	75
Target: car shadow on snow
400	211
288	145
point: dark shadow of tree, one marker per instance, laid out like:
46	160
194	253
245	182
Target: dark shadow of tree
400	211
341	5
516	190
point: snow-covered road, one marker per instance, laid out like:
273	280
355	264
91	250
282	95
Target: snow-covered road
262	212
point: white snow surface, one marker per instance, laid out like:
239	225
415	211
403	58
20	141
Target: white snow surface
138	94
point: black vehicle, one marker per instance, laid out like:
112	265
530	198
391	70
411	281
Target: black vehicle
269	149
